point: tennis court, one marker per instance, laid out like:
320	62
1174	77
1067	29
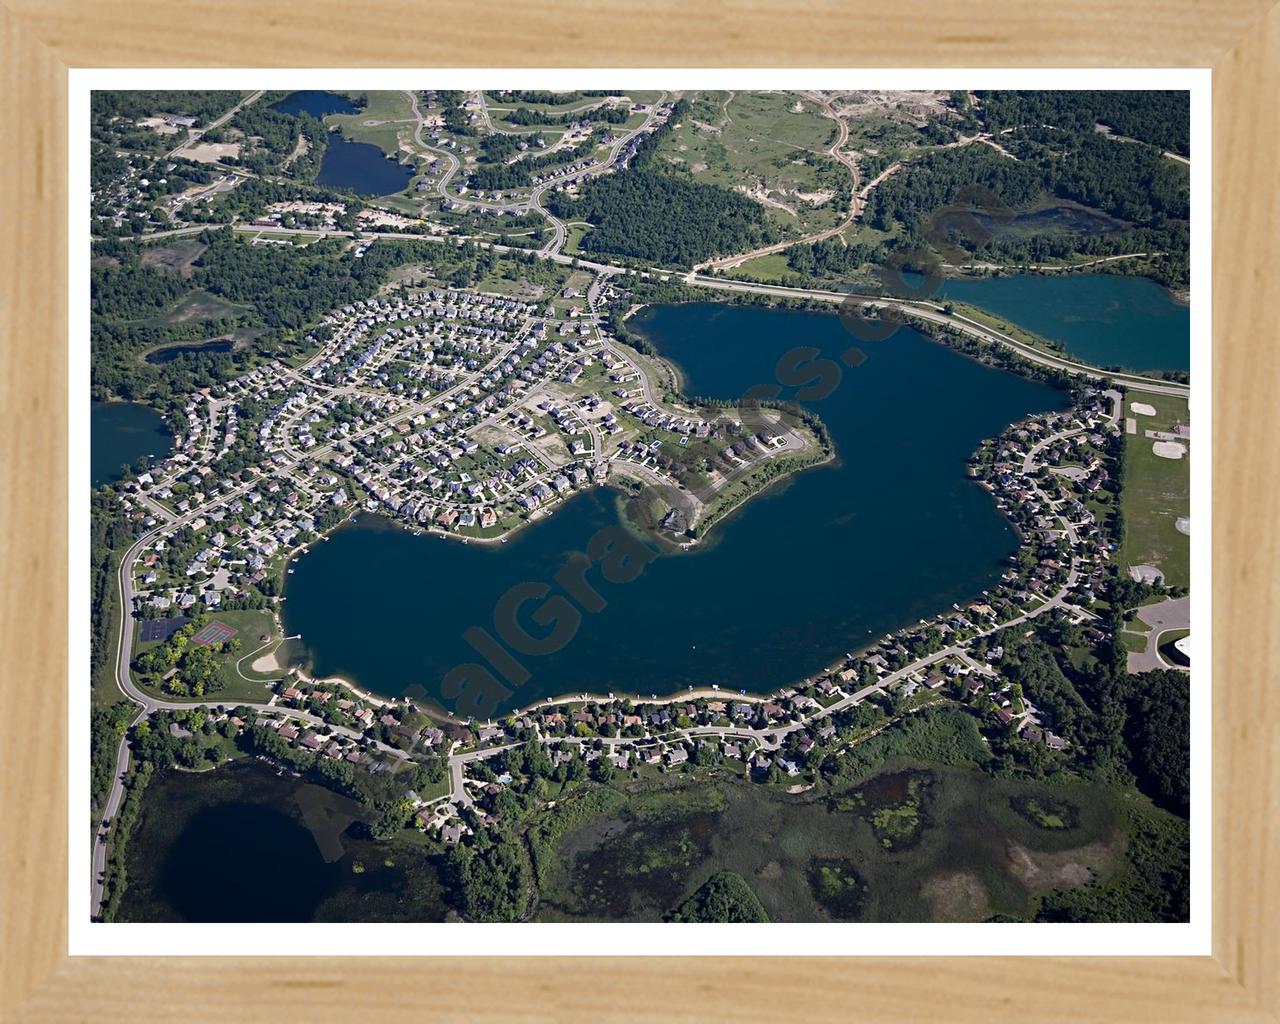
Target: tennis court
214	633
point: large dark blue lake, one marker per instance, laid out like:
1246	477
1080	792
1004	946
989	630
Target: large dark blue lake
894	531
1103	319
209	846
120	433
362	168
316	103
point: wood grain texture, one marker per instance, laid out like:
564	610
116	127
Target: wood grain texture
33	511
1246	550
39	39
651	33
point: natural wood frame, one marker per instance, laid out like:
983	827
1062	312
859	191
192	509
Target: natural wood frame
40	39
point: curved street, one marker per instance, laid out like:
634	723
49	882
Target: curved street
924	309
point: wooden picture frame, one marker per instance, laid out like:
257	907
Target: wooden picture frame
41	39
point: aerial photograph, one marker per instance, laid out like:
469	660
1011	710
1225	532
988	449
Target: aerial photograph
639	506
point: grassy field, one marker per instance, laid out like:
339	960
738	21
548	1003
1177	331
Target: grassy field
907	845
772	269
577	231
249	626
1155	493
201	305
178	256
387	122
1021	334
1133	642
762	139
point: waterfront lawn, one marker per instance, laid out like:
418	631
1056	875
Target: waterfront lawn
251	686
987	319
1155	493
249	626
393	115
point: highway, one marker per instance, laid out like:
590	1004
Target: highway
922	308
931	311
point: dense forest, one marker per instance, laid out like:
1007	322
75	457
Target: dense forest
1126	728
546	98
1155	885
1130	183
109	534
724	897
1159	117
1137	186
604	115
664	218
651	214
456	119
114	113
279	133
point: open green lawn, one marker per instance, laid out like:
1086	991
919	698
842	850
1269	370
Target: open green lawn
1155	493
249	626
577	230
197	305
1021	334
772	268
386	121
177	255
1133	642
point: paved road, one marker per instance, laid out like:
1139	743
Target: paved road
534	202
124	656
1175	613
857	198
195	134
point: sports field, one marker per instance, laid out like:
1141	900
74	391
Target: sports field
214	633
1156	494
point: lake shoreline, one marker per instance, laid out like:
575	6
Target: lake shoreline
424	661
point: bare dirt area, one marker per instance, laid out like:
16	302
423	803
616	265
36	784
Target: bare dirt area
912	106
209	152
1062	869
158	125
179	257
957	896
761	196
414	275
300	148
